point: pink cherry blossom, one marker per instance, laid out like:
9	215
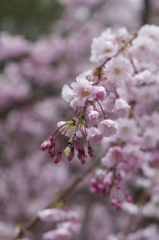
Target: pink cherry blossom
83	89
93	117
52	215
102	49
150	31
118	71
67	93
108	127
94	135
121	106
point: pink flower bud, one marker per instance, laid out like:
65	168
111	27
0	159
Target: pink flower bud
129	199
119	206
82	156
46	144
84	159
79	155
58	156
107	182
93	117
51	151
117	186
100	187
71	155
101	94
78	144
114	202
90	151
94	182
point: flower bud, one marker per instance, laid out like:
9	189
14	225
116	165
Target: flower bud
46	144
94	182
114	202
129	199
107	182
93	117
119	206
71	155
90	151
58	156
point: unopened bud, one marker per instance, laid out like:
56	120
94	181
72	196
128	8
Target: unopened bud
90	151
94	182
57	158
71	155
119	206
107	182
46	144
78	144
114	202
129	199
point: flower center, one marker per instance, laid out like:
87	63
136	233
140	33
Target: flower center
117	70
106	50
142	47
86	93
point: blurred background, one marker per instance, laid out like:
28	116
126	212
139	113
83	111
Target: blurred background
30	18
43	45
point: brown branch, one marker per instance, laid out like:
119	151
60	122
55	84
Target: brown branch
146	12
63	194
128	227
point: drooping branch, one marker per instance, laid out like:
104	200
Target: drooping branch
63	194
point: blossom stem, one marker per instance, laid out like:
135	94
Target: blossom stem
78	120
60	132
105	116
64	135
58	129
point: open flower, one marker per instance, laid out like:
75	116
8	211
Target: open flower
83	90
121	106
118	71
101	49
108	127
94	135
67	93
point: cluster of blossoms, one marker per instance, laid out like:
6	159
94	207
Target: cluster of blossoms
135	146
125	84
93	93
67	223
109	182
